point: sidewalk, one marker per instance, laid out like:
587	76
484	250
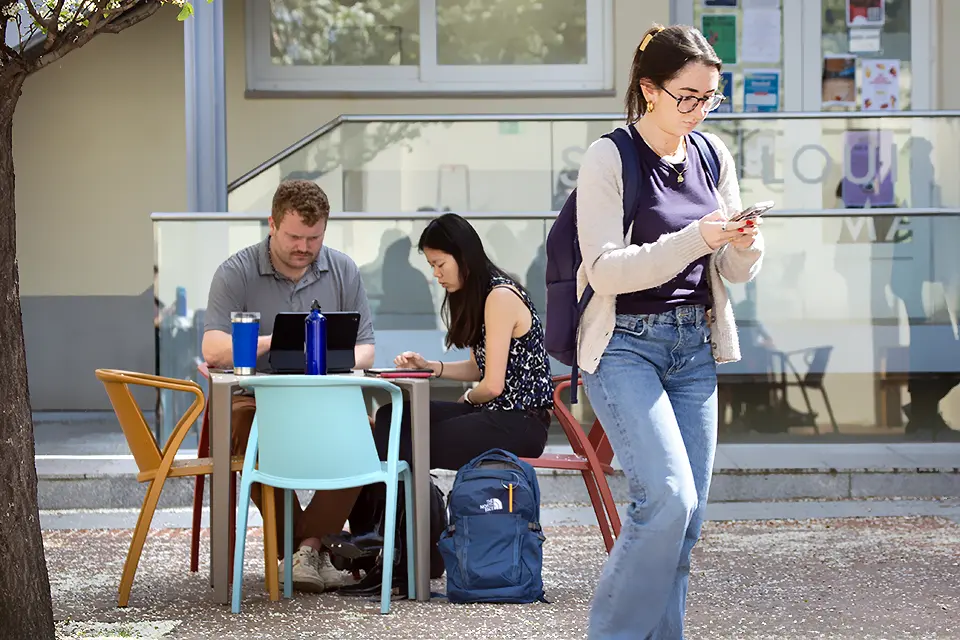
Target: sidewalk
863	578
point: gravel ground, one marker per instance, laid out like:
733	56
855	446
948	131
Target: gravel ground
863	578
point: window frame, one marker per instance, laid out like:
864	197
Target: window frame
429	77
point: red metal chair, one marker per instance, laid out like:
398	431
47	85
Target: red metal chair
591	457
203	451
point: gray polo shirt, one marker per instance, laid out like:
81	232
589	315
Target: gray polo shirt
247	281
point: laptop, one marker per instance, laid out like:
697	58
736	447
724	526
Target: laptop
288	344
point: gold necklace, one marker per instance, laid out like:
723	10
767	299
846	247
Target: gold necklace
679	173
683	144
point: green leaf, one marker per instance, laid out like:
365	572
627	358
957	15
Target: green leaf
185	12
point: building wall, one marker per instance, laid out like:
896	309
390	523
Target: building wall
99	144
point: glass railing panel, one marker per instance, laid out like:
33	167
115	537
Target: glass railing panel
854	315
482	164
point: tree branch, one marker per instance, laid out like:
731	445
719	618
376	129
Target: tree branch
4	49
77	35
97	16
34	13
130	18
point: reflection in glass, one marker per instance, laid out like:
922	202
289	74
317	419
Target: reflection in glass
511	32
843	336
345	32
481	166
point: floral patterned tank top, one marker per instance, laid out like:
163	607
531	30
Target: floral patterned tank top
528	384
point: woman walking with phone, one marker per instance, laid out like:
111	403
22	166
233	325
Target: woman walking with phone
658	324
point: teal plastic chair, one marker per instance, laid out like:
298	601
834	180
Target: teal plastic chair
290	447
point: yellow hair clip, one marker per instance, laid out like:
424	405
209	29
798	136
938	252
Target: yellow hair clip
648	38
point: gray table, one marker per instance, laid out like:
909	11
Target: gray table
222	386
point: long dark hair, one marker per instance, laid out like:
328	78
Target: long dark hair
668	50
463	309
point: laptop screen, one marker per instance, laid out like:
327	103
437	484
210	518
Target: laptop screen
289	333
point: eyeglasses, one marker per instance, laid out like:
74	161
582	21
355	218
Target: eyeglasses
686	104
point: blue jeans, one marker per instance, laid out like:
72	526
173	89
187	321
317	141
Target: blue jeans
655	393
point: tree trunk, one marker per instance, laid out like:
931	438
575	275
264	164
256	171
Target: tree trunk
26	610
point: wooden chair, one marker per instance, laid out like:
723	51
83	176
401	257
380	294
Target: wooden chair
203	451
592	457
155	465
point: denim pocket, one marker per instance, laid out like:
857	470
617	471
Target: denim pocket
634	326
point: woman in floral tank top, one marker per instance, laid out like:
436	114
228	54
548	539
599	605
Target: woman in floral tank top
488	312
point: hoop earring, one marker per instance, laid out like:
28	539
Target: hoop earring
650	107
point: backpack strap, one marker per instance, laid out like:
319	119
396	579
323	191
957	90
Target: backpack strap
708	156
630	161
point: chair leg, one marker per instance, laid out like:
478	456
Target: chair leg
288	543
203	450
806	400
598	509
833	420
407	479
270	541
389	542
197	521
607	496
240	546
232	522
139	537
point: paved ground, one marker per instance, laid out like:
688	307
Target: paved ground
865	578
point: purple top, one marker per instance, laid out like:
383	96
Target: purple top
665	205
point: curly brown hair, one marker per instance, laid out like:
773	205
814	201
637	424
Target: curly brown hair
305	198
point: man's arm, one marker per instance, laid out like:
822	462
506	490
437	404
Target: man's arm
217	348
226	296
363	355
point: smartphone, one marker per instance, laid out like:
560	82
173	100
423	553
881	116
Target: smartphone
755	211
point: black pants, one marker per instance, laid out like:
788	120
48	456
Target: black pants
460	432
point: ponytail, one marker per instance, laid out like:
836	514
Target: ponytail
636	104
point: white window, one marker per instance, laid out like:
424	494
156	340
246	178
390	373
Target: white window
429	46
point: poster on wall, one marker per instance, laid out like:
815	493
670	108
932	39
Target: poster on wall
760	40
864	40
720	30
865	13
867	169
881	85
839	83
726	89
761	90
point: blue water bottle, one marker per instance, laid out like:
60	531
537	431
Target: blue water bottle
316	339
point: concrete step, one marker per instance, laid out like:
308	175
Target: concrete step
742	473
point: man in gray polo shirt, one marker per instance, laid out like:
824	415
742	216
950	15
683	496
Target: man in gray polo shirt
286	272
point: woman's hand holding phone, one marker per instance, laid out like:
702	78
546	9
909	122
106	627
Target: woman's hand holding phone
748	223
716	230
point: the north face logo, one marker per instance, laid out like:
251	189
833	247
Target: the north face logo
493	504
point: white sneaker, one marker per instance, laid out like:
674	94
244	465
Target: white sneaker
313	571
333	577
306	571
